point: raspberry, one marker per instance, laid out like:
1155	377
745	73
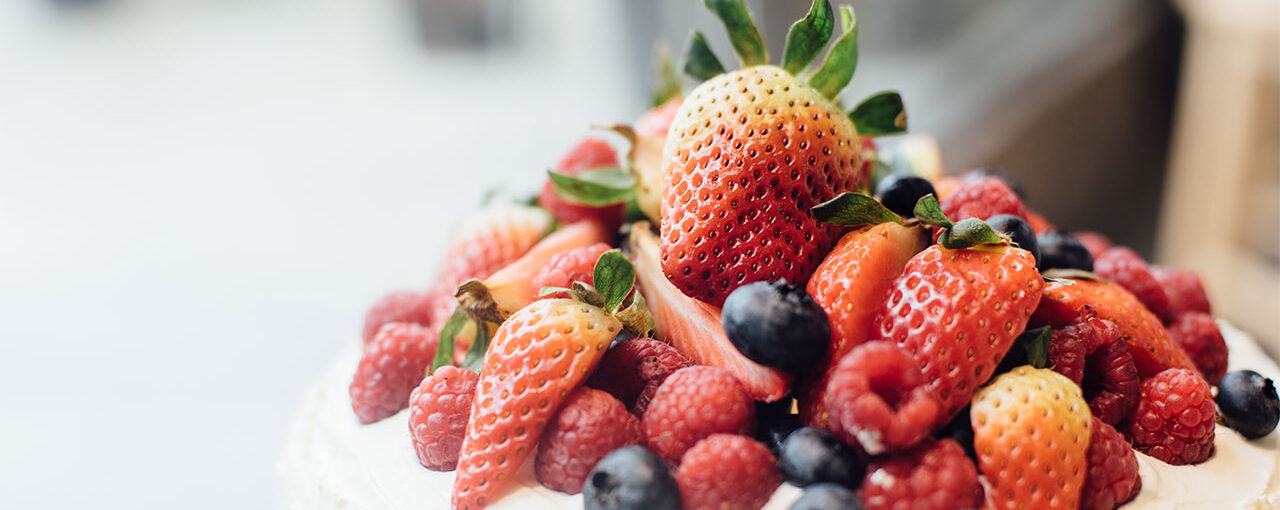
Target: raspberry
633	370
1123	266
1094	242
394	362
400	306
1091	353
692	404
1198	334
1067	352
935	475
576	265
877	398
983	197
1112	478
589	426
1174	420
1186	293
588	154
438	413
727	472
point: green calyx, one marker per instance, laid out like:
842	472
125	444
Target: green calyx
476	309
880	114
853	209
841	61
743	33
614	278
808	36
599	187
965	233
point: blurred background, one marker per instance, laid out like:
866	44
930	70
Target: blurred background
199	199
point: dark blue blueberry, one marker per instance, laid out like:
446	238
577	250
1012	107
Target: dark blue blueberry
812	455
1248	403
630	478
900	192
1018	230
827	496
774	422
1063	251
776	324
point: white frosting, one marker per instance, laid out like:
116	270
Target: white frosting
330	461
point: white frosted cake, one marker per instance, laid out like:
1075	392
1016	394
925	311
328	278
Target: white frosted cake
331	461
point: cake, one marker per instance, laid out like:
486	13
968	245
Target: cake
728	306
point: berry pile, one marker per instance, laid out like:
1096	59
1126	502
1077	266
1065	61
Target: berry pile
724	307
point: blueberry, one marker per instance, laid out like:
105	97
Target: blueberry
1063	251
900	192
812	455
776	324
774	422
827	496
630	478
1248	403
1018	230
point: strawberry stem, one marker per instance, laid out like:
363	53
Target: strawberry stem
881	114
841	61
808	36
699	61
743	32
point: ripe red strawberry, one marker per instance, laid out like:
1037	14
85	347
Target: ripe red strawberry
632	371
1174	419
850	285
1094	242
727	472
1123	266
588	154
933	476
958	312
393	364
590	424
983	198
400	306
1197	333
567	267
1186	293
693	327
692	404
657	121
877	399
1031	434
1112	479
1148	342
438	411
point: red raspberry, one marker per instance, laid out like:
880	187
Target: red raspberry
1094	242
1123	266
400	306
590	424
935	475
1067	352
1174	418
1091	353
394	362
576	265
632	371
1186	293
727	472
983	198
588	154
877	398
1112	478
692	404
438	412
1198	334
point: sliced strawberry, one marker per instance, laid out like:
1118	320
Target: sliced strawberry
693	327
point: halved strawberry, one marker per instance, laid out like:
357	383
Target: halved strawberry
693	327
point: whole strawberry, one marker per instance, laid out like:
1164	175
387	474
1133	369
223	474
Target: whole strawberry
590	424
1031	434
537	357
401	306
1198	334
1174	419
438	411
727	472
693	404
632	371
590	153
933	476
1113	478
1123	266
393	364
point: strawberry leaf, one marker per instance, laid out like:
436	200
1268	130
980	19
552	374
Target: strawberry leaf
968	233
841	61
808	36
613	277
666	75
1036	343
853	209
699	61
450	331
474	359
602	186
881	114
929	211
743	32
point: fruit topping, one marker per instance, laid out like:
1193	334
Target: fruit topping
392	365
827	496
633	370
1174	418
811	456
933	476
776	324
877	398
401	306
1113	478
438	412
567	267
900	192
727	472
1062	251
1094	242
693	404
590	424
1249	403
589	154
1018	231
631	478
1091	353
1123	266
1197	333
1186	293
983	197
774	423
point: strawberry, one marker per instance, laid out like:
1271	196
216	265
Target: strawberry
750	151
537	357
693	327
1125	267
657	121
850	285
1148	342
588	154
1031	431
